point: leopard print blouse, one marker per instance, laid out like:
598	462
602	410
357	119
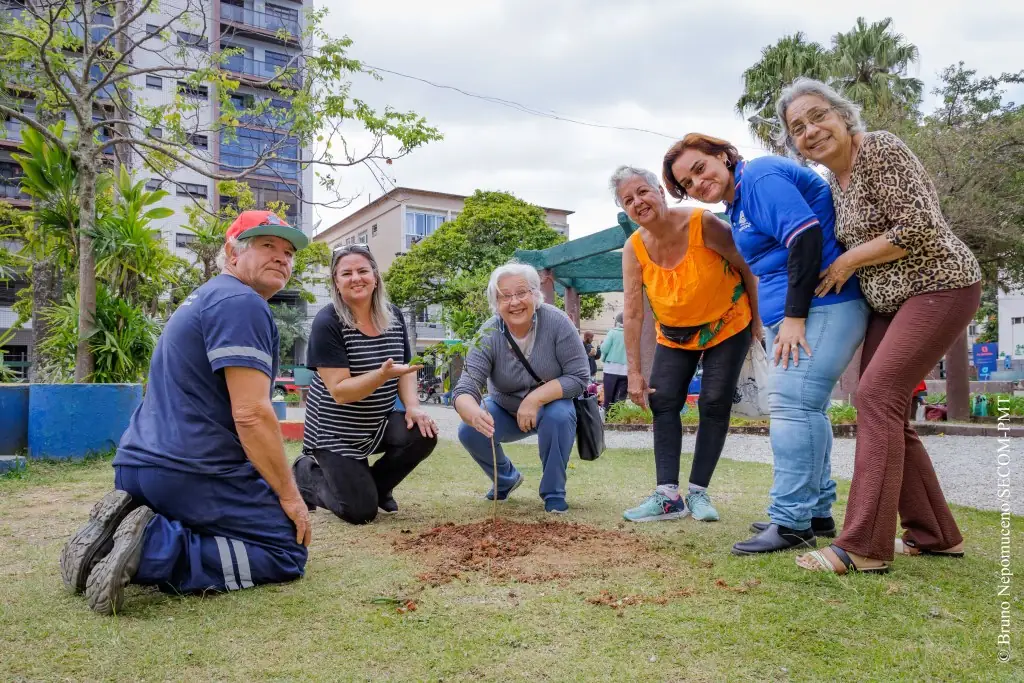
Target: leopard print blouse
891	194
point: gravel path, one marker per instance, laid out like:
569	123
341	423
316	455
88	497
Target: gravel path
966	465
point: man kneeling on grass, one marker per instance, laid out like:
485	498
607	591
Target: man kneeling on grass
205	498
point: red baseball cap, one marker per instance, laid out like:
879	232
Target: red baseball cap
256	223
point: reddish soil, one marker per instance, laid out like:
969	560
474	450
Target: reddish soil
529	553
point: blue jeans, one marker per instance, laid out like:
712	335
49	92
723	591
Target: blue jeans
556	433
801	432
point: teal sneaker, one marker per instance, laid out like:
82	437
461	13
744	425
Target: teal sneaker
699	505
656	508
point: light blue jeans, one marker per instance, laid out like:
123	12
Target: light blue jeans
799	396
556	434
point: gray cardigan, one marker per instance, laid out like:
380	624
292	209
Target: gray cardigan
557	353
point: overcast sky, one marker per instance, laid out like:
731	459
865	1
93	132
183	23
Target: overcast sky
664	65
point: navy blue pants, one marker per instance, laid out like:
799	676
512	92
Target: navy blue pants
211	533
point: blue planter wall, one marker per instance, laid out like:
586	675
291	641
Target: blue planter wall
13	418
73	420
280	409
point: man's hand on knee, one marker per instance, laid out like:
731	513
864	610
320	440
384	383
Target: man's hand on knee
297	511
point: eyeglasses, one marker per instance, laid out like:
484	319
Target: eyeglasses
814	116
521	295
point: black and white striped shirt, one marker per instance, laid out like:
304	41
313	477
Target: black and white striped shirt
351	429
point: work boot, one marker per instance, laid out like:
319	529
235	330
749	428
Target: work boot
92	542
105	589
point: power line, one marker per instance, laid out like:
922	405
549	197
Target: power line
548	114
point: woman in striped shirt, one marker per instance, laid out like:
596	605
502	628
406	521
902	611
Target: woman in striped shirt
361	354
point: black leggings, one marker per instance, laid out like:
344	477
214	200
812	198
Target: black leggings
614	389
670	378
350	487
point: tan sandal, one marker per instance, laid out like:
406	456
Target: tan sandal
826	565
910	548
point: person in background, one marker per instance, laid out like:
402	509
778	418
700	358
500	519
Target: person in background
782	222
613	351
704	299
517	405
923	285
592	353
204	498
920	391
361	354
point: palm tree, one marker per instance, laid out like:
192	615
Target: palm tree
869	66
779	65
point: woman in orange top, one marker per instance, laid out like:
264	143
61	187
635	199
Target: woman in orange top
704	299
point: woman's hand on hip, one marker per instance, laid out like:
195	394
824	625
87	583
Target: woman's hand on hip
417	417
526	416
789	340
483	422
391	369
637	387
835	276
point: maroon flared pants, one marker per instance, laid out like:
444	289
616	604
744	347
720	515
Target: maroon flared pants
892	471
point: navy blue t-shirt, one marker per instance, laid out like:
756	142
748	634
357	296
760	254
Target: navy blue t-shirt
776	200
185	422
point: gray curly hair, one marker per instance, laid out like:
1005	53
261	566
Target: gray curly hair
847	110
624	173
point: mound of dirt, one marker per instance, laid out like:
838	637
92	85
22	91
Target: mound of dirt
529	553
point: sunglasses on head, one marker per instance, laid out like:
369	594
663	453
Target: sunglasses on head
352	247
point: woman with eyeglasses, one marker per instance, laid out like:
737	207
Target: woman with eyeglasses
704	299
360	351
923	285
782	222
518	404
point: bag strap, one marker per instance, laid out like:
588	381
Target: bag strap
519	354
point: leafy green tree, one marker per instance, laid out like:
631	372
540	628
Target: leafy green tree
868	64
780	65
86	60
973	148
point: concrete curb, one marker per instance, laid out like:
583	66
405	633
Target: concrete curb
850	431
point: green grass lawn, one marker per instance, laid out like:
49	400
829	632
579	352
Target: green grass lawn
931	619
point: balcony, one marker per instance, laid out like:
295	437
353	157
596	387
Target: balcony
235	161
10	191
12	132
251	69
263	23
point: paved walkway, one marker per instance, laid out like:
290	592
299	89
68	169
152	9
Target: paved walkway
966	465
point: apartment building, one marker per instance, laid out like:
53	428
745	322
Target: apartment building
268	34
392	223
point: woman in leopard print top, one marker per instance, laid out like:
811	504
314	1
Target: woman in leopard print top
924	287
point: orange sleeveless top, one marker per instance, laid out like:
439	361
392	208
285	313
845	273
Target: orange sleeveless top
703	293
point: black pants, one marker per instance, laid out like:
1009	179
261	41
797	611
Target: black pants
614	389
350	487
670	378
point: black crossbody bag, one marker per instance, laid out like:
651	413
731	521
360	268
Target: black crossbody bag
589	426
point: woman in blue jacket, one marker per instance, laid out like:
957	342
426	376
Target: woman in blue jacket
613	351
783	224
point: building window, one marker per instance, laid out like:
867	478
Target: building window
1017	321
373	230
154	82
191	190
183	239
972	330
156	132
199	141
152	30
350	240
193	40
276	59
363	237
199	91
420	224
154	184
